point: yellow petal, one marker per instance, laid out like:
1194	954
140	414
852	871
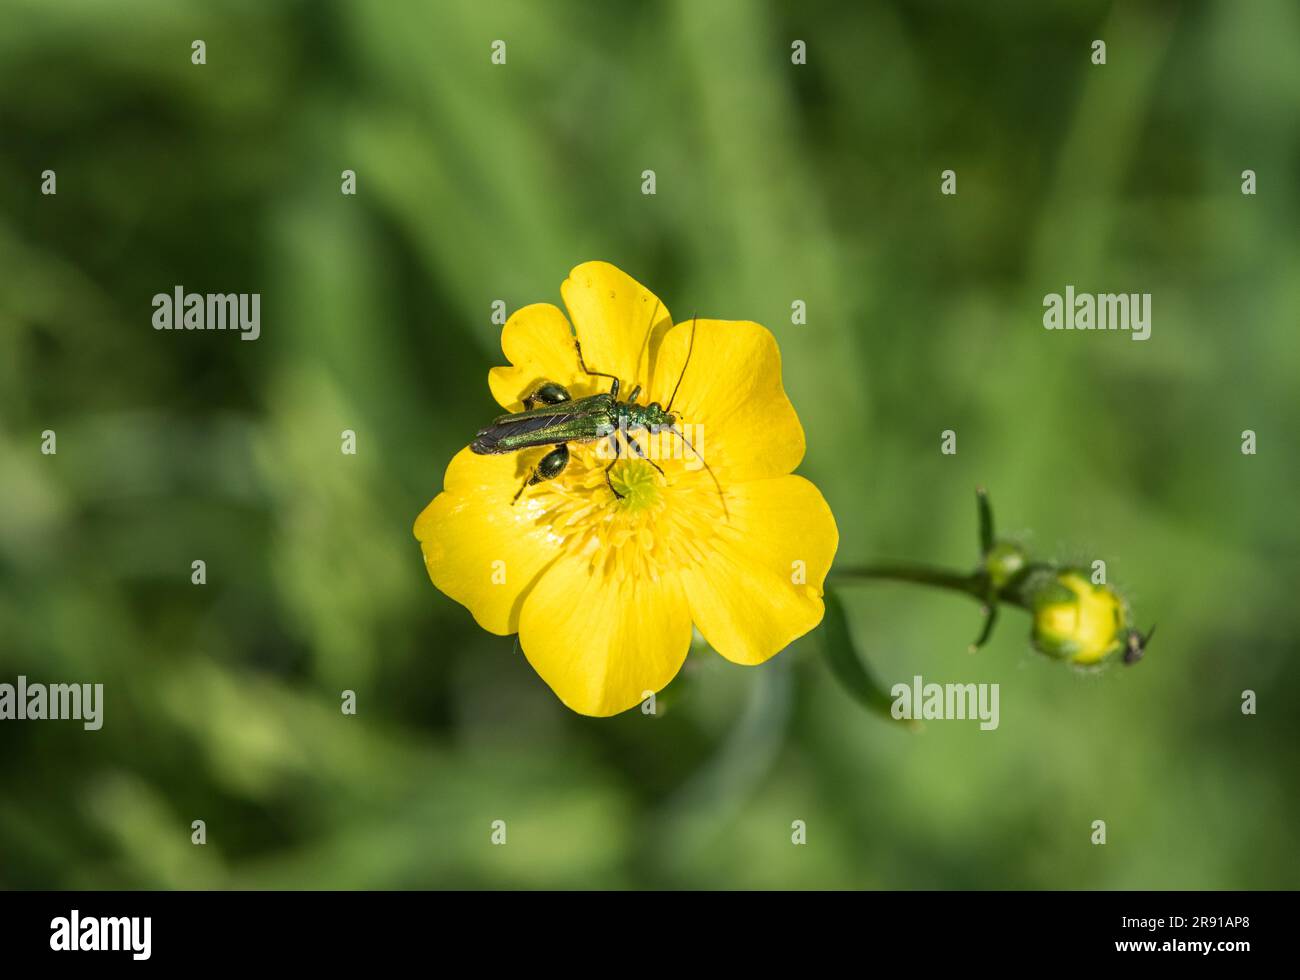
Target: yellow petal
538	343
731	403
478	549
602	642
615	317
761	587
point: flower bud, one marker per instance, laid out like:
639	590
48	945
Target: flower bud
1077	621
1003	562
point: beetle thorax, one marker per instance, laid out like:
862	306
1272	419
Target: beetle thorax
650	416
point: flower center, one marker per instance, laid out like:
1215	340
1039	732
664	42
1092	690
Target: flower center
636	480
661	521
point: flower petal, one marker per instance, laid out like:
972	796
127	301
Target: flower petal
538	343
602	642
615	317
478	549
731	401
753	597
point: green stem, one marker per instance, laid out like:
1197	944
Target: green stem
974	584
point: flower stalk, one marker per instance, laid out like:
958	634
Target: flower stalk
1075	619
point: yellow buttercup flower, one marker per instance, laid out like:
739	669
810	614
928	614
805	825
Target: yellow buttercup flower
603	575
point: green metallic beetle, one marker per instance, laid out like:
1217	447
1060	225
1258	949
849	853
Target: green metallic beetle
551	417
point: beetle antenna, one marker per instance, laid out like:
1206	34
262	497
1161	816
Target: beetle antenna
689	350
721	496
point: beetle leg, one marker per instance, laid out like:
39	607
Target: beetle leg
636	448
548	468
548	393
596	374
618	451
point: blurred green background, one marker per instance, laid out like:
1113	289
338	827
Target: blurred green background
775	182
